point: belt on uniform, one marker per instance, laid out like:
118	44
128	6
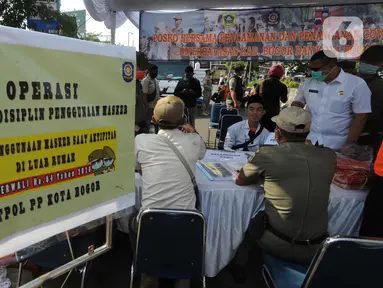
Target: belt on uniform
310	242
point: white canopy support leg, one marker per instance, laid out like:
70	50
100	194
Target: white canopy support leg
113	28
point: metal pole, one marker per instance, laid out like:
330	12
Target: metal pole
113	28
78	261
129	38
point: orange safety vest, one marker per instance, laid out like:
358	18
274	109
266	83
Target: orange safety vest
378	166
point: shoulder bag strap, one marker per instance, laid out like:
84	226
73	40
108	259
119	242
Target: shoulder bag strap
246	144
186	165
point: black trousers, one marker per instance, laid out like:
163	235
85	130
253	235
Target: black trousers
268	123
373	211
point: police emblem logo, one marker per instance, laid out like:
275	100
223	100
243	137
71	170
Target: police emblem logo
273	18
128	71
229	20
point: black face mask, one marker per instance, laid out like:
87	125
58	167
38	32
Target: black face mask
153	75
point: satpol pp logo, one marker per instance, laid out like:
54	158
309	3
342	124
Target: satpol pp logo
343	37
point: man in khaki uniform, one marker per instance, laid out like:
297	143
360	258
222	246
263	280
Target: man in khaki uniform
297	179
235	95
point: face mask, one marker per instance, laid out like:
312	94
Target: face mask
108	162
153	75
319	76
368	69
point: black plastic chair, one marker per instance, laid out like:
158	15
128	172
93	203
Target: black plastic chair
222	113
170	245
342	262
215	115
226	122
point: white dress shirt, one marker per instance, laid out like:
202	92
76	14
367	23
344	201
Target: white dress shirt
238	133
332	107
149	86
166	182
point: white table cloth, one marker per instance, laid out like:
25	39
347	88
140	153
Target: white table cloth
228	209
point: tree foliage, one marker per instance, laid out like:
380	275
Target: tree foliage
14	13
296	67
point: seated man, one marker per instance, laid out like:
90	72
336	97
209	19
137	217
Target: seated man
249	134
166	182
297	179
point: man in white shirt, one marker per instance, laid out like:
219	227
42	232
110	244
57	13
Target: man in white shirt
166	182
339	103
249	134
151	92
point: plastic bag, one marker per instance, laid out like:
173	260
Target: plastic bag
352	179
346	163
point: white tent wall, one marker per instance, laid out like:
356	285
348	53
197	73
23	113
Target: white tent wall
101	10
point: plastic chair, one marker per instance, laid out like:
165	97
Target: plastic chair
170	245
341	262
214	118
222	113
226	122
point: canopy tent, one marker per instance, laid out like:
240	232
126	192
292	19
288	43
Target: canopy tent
102	10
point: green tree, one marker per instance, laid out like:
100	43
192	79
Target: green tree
14	13
296	67
67	24
142	61
93	37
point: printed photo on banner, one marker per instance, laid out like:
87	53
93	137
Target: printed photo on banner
264	34
67	131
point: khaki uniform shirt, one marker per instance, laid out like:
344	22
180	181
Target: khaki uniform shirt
297	179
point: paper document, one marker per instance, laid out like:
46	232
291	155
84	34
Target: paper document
219	171
218	156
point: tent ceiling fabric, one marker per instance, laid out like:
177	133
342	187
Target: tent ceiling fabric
101	10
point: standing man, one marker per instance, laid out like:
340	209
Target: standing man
207	89
189	90
339	103
295	220
236	90
272	90
371	63
151	91
175	51
221	80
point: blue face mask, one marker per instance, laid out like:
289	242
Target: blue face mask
318	75
368	69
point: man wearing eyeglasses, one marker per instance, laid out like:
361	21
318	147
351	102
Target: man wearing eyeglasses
339	103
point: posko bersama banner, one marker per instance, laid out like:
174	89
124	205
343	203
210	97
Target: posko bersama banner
67	130
293	33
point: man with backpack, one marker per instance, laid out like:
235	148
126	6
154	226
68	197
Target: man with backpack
189	90
151	93
272	90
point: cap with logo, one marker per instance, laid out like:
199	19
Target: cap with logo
293	120
169	111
